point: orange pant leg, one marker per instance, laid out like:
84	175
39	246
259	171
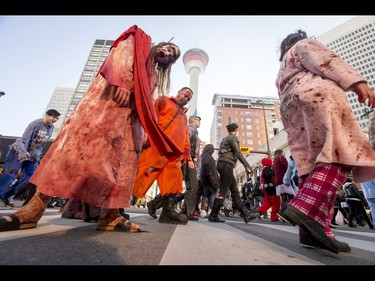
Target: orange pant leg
144	179
170	178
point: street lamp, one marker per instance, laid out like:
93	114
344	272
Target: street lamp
268	152
2	93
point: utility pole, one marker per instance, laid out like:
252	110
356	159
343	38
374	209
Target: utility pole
268	152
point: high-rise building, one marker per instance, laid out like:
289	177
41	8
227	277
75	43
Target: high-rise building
97	56
60	100
354	41
195	61
252	114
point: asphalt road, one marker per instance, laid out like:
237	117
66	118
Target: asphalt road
58	241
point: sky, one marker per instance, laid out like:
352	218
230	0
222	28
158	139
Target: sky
40	53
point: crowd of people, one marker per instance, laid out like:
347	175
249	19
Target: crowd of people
136	139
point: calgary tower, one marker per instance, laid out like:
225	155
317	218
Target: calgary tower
195	61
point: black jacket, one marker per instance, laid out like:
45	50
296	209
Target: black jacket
230	151
209	175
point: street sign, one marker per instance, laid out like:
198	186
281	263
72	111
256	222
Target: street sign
245	149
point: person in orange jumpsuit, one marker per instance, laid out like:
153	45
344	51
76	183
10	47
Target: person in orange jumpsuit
168	173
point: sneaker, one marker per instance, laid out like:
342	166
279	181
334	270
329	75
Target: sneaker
10	206
203	213
7	203
193	218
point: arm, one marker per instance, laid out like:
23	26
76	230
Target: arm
235	146
23	143
371	126
187	154
319	59
118	71
288	175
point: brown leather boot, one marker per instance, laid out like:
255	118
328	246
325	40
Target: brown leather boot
34	209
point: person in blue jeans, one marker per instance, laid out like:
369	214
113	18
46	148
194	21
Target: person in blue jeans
24	155
368	187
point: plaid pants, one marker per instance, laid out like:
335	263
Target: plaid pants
317	191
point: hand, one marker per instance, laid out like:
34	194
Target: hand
121	97
364	92
191	164
249	171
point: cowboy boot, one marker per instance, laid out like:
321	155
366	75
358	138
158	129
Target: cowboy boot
33	210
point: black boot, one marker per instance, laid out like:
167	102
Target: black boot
158	201
122	213
31	188
154	204
214	215
306	239
169	214
178	198
247	216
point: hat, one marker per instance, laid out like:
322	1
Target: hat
267	161
53	112
231	127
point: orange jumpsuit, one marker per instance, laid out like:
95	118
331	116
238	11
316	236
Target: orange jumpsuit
153	167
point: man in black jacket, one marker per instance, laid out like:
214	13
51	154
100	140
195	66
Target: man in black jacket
229	153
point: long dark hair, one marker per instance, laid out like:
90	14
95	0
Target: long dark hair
289	42
163	70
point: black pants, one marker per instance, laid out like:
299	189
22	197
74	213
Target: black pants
191	184
228	182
